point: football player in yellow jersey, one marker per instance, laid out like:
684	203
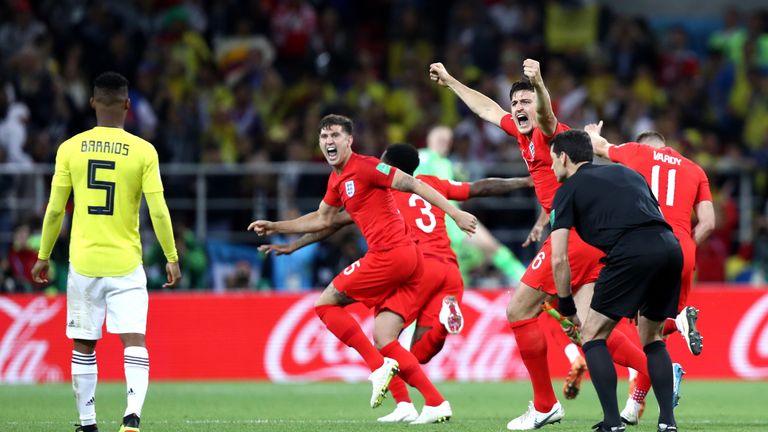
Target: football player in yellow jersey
108	169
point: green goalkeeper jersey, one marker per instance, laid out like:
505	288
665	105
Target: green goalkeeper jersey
431	163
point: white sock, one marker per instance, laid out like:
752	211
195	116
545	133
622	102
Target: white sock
84	377
632	374
572	352
136	378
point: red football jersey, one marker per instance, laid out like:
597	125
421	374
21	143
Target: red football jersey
426	222
677	183
536	156
362	189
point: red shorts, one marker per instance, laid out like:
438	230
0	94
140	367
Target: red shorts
583	258
689	264
441	278
385	280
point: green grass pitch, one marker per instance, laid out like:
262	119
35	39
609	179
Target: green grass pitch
342	407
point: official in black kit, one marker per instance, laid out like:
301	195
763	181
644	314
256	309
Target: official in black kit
612	208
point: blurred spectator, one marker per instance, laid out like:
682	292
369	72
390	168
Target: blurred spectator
729	39
676	60
13	130
472	28
234	266
330	46
241	277
142	119
21	257
293	24
194	263
21	30
508	15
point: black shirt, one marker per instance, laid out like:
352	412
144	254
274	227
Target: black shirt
603	202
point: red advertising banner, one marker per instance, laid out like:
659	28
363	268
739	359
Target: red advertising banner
278	337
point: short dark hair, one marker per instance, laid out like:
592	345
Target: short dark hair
402	156
519	86
652	135
337	120
110	88
575	143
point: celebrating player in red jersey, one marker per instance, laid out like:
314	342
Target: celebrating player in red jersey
533	123
441	289
681	187
387	277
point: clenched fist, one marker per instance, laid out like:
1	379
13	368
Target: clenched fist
438	73
532	71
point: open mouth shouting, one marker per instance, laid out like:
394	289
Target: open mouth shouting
522	121
332	153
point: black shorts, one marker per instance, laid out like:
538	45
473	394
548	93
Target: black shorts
641	273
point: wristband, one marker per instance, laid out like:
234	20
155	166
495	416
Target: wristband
566	306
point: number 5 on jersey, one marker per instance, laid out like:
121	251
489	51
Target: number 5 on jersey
107	186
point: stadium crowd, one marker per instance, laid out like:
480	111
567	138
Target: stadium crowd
238	82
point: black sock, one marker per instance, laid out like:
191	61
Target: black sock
603	372
660	372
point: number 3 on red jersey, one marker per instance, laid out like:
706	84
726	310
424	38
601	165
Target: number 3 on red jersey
428	222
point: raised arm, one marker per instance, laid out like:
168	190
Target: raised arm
705	213
406	183
161	222
318	220
600	145
54	217
498	186
479	103
545	117
341	220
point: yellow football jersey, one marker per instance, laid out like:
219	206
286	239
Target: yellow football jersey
108	169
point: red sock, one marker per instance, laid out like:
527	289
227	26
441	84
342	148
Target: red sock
533	350
558	335
642	387
411	372
343	326
430	344
669	327
625	353
399	390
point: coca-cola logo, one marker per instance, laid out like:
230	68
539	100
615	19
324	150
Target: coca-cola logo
300	348
22	357
749	346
